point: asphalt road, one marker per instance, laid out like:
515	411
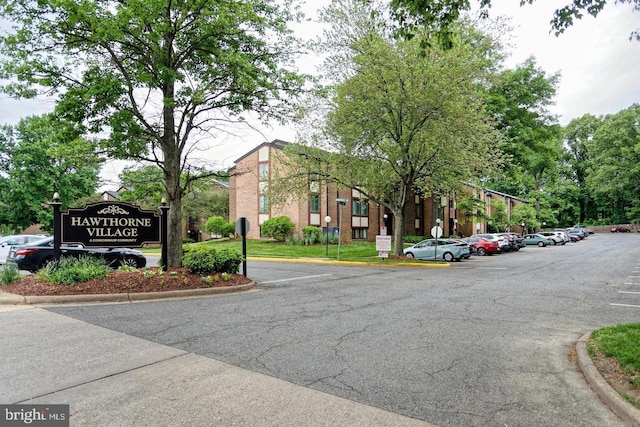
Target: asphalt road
486	342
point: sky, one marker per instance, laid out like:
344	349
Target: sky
599	67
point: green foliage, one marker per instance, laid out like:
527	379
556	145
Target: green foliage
385	132
39	156
472	208
9	274
441	17
499	217
72	270
413	239
128	268
219	226
621	342
152	79
525	213
206	261
278	227
311	234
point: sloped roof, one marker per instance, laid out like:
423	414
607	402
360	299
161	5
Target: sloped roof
276	143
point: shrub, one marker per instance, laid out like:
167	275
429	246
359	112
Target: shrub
206	261
414	239
9	274
278	228
217	225
311	234
73	270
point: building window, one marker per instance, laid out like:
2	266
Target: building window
359	207
359	233
314	203
263	171
359	220
264	204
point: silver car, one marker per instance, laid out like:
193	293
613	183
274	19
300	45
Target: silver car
445	249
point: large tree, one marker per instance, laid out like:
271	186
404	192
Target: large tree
519	101
157	79
614	173
578	138
401	120
39	156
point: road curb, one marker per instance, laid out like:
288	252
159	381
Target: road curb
334	262
13	299
623	409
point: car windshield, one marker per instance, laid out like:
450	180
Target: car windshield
45	241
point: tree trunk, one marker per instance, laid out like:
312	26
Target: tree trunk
398	232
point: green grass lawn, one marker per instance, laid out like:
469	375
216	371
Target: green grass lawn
356	251
622	342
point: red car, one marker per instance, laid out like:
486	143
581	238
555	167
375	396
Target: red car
620	230
481	246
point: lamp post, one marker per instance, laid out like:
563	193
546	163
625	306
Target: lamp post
57	232
522	225
455	227
437	236
164	254
544	225
341	203
327	220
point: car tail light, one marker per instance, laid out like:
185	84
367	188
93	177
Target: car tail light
25	252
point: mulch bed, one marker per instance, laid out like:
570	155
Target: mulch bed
125	282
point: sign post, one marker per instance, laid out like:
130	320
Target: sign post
242	228
383	246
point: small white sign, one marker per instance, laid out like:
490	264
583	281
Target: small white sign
383	243
436	231
383	254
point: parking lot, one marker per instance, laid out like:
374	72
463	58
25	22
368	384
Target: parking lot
484	342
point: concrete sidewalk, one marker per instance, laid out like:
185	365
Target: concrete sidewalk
112	379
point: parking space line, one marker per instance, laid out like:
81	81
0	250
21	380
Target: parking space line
629	292
298	278
625	305
631	283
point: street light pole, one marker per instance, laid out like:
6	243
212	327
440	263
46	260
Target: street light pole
437	236
327	220
57	230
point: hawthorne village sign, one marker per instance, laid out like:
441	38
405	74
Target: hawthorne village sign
108	224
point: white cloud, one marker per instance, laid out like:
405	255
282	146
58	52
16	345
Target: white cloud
597	61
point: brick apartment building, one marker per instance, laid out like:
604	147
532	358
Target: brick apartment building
360	219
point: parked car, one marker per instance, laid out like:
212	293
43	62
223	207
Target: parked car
578	232
553	237
518	240
481	246
447	249
585	229
536	239
36	255
503	243
564	234
18	239
619	230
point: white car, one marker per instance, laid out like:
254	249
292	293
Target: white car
553	237
18	239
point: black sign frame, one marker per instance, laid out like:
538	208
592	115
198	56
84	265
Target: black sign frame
110	225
